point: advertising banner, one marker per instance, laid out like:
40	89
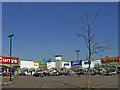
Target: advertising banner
6	60
76	62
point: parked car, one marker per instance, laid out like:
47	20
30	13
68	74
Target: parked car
118	72
7	74
66	73
3	74
79	73
48	74
56	73
114	72
44	74
107	73
52	74
22	74
93	73
38	75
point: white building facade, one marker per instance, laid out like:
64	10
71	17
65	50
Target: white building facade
66	64
29	64
51	65
85	63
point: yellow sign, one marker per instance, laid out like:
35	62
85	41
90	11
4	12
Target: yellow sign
35	64
49	65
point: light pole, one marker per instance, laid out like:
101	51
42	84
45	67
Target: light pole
10	36
78	56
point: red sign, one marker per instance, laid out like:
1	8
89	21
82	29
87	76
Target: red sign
6	60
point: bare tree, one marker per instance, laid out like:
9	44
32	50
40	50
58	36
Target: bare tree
89	36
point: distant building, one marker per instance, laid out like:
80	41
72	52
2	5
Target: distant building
58	61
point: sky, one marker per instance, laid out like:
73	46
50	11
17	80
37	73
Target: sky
44	29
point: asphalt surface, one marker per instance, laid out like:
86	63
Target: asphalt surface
61	82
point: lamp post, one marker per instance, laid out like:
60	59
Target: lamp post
10	36
78	56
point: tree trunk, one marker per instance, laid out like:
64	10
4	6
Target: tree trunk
89	41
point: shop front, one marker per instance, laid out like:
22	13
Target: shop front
111	62
75	65
43	65
5	64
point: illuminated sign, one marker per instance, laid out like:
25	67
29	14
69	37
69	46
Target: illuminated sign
6	60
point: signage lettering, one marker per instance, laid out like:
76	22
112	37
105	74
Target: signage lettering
6	60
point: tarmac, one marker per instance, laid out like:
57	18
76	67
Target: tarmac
61	82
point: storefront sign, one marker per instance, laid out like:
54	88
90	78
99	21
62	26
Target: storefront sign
35	64
6	60
66	64
87	62
109	60
43	62
76	62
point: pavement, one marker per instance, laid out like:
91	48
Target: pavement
61	82
5	80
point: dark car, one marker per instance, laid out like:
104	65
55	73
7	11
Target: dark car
93	73
118	72
3	74
80	73
38	75
48	74
56	73
66	73
44	74
22	74
60	73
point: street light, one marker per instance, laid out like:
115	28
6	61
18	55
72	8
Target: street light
10	36
78	56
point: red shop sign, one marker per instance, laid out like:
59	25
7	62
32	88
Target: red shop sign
6	60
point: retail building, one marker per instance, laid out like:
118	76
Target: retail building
5	63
